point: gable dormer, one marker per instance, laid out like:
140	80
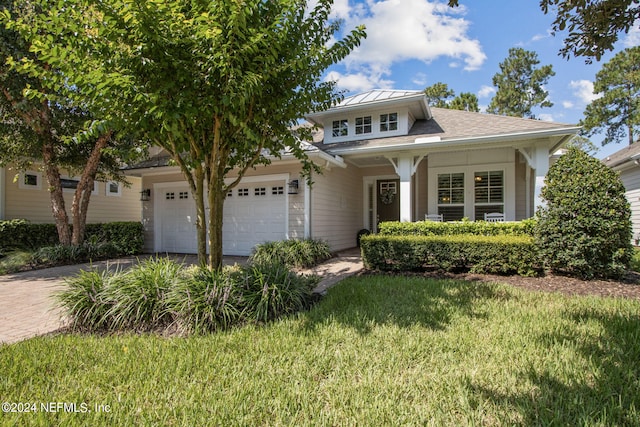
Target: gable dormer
371	115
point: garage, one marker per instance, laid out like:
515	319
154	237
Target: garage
254	212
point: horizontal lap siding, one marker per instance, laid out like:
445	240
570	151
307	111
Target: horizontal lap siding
631	181
337	207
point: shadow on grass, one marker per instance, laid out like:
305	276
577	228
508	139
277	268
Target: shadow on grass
402	301
606	394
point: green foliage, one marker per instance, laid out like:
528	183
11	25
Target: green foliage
439	95
293	253
585	227
22	234
520	85
477	228
90	250
466	101
126	236
617	111
502	254
159	293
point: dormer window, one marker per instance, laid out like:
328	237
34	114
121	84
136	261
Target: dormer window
388	122
340	128
363	125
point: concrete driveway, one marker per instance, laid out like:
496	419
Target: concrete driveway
27	306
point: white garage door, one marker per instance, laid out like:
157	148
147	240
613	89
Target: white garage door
253	213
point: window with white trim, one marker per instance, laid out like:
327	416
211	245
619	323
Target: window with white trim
489	193
451	196
114	189
260	191
340	128
30	180
277	190
71	184
388	122
363	125
243	192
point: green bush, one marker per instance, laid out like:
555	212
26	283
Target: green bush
126	236
585	227
293	253
270	290
476	228
479	254
85	301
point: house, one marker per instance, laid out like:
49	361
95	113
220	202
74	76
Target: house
24	194
627	162
385	155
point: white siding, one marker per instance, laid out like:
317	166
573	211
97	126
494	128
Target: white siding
631	180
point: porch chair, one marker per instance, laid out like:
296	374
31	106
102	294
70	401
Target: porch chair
494	217
433	217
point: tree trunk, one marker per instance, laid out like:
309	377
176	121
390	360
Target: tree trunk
82	195
201	221
58	208
216	205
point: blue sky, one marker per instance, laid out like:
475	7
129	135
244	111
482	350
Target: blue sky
413	44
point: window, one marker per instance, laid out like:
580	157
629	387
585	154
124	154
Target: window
183	195
489	192
114	188
277	190
363	125
388	186
388	122
69	184
30	180
340	128
243	192
170	196
262	191
451	196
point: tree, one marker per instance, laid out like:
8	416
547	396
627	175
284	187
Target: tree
618	110
41	124
594	26
220	85
466	101
438	95
585	227
520	85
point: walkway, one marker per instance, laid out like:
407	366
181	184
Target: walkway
27	306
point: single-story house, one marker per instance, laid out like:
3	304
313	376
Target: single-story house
627	162
24	194
385	155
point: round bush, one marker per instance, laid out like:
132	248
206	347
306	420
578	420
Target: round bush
585	227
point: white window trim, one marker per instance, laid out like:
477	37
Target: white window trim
469	187
23	186
109	193
404	123
72	190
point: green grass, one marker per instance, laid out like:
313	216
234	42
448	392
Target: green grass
15	260
377	350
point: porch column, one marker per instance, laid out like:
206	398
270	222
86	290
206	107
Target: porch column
541	162
404	170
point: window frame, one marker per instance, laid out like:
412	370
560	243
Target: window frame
109	193
364	125
340	128
24	186
387	122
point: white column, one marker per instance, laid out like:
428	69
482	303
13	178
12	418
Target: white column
404	169
541	162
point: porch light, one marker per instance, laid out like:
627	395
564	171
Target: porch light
293	186
145	195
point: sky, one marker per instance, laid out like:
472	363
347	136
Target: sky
412	44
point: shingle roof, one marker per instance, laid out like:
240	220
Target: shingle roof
450	124
623	155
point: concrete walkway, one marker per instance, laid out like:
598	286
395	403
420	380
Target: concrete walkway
27	306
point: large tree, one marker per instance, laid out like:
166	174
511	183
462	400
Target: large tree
617	111
520	85
39	124
466	101
593	26
439	95
220	85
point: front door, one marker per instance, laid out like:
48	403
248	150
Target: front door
388	200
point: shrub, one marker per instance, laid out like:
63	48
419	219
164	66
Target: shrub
90	250
585	227
83	299
126	236
480	254
293	253
270	290
477	228
205	301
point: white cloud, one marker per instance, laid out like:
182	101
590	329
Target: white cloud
359	82
401	30
568	104
583	90
486	91
545	117
420	79
633	36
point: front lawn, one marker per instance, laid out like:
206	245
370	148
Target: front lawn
377	350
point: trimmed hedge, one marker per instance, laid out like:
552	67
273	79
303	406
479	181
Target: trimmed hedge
126	237
476	228
479	254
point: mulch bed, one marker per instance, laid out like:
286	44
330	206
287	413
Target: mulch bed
628	287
